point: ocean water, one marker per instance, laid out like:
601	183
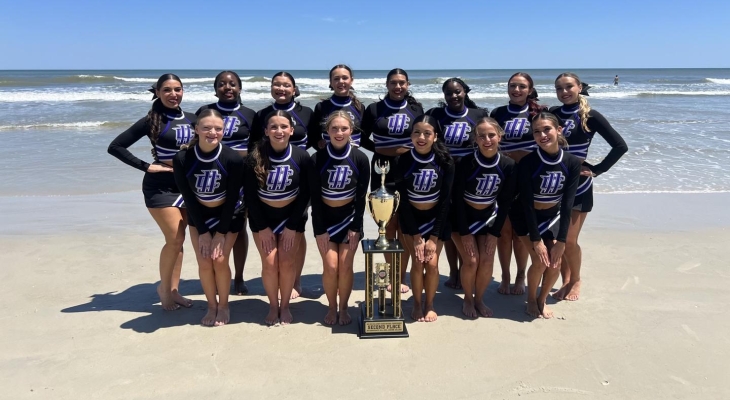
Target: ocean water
56	125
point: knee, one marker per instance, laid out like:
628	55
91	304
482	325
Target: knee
220	264
470	263
205	265
176	241
572	246
432	267
330	267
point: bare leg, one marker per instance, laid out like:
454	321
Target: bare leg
344	280
270	279
299	264
222	269
207	280
452	256
574	255
405	256
468	276
417	270
550	276
240	252
287	275
329	281
521	254
504	251
172	224
534	276
483	277
432	283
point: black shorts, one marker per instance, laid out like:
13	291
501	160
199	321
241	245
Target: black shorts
479	221
425	223
548	222
338	221
160	191
212	217
389	177
276	219
584	195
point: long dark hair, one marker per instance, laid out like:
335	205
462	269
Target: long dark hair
443	157
235	75
351	93
208	112
260	155
291	78
469	103
154	116
532	99
409	96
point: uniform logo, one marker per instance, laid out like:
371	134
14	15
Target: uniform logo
208	181
515	128
230	126
456	133
487	184
425	179
552	182
183	134
568	128
279	178
339	177
398	123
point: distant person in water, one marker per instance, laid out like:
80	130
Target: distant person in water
615	81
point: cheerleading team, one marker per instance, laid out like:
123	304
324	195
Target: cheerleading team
547	179
580	125
209	176
284	91
390	121
338	185
484	190
424	177
457	116
276	191
167	127
238	123
517	142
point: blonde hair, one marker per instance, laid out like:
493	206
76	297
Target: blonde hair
493	122
562	141
583	106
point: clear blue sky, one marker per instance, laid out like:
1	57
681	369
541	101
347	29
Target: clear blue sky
239	34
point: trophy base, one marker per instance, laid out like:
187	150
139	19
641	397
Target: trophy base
381	326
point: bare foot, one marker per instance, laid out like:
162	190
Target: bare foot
345	317
404	288
431	315
209	318
468	309
285	316
166	300
533	310
503	287
546	312
484	310
453	282
573	291
295	292
519	287
240	288
179	299
223	316
560	294
331	317
273	316
417	313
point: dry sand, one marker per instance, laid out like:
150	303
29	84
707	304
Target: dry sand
82	320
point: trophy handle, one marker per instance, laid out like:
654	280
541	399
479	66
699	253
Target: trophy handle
396	203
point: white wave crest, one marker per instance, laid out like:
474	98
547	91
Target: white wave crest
718	80
153	80
77	125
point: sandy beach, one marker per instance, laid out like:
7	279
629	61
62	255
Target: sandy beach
82	319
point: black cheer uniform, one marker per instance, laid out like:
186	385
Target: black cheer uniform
210	177
238	122
302	116
579	141
326	107
515	121
176	129
487	181
419	179
287	178
549	180
339	175
458	130
391	125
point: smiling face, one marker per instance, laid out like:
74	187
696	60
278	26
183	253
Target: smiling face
546	134
423	137
454	96
487	139
341	81
170	93
567	89
209	131
227	88
282	90
340	130
518	89
397	85
279	130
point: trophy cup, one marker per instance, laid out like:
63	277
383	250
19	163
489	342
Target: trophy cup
388	321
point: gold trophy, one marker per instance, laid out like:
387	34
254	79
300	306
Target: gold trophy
388	322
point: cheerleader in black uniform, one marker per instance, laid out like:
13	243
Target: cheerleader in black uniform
339	184
276	190
168	128
457	115
547	180
580	124
210	176
284	91
391	122
484	189
343	98
238	123
424	177
517	142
